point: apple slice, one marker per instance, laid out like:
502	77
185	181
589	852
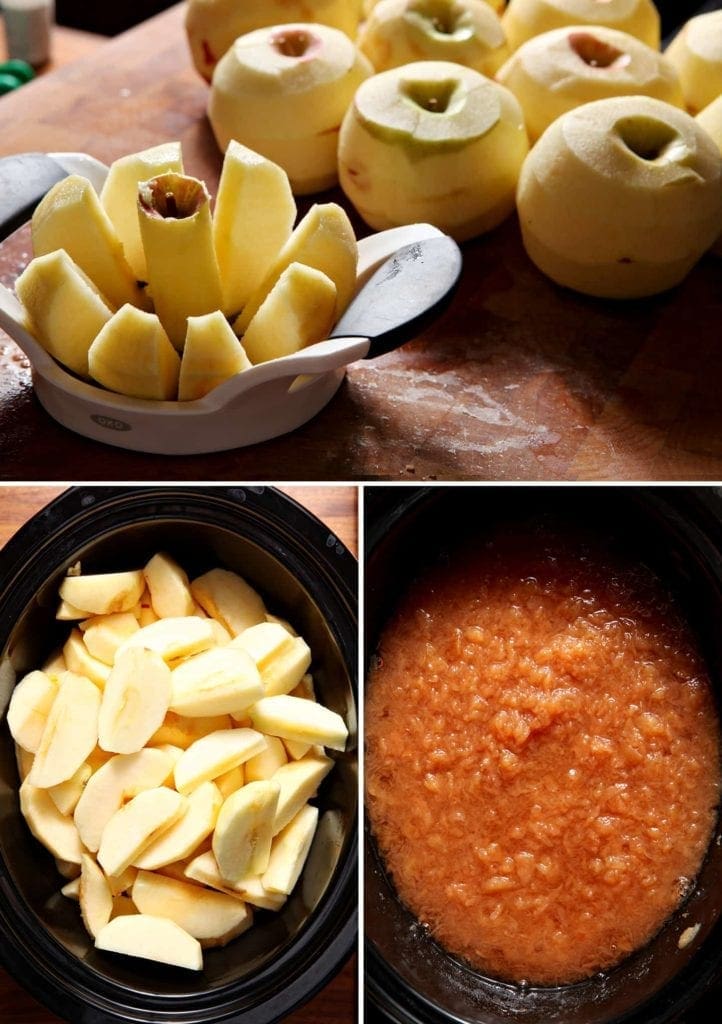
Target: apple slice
54	830
67	613
324	240
135	700
295	718
70	733
184	837
119	195
79	660
103	593
71	889
299	310
55	293
211	355
66	794
264	765
136	825
70	217
299	782
96	900
151	938
30	705
211	917
215	754
230	781
204	869
103	634
119	779
24	760
216	682
243	832
168	587
132	355
182	731
290	850
123	882
225	596
253	220
173	638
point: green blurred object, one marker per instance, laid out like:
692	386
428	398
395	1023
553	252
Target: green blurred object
19	68
8	83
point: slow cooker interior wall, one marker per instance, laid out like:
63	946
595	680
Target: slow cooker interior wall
680	541
198	547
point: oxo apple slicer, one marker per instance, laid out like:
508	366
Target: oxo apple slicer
406	276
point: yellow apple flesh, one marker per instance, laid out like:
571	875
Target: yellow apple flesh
621	197
432	142
133	356
559	70
696	53
524	19
464	31
283	92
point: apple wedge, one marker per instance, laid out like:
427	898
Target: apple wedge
181	731
135	700
66	794
71	889
151	938
120	778
187	833
211	355
243	832
29	707
290	850
299	782
225	596
264	765
252	221
132	355
70	734
65	310
79	660
24	760
214	755
136	825
54	830
230	781
123	882
216	682
168	587
324	240
96	900
67	613
119	195
70	217
204	869
103	634
295	718
298	311
103	593
173	638
211	917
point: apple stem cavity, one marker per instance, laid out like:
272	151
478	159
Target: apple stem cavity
296	43
172	196
441	14
596	52
649	139
435	97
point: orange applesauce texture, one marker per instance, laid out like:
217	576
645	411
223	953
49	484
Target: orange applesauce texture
543	763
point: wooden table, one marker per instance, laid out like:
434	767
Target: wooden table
518	380
67	45
336	507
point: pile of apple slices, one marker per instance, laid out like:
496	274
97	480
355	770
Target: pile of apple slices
145	292
168	754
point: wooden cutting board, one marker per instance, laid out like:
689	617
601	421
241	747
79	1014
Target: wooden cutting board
519	380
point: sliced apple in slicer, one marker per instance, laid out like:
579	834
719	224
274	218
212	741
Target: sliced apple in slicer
211	917
135	700
151	938
64	309
136	825
168	587
296	718
243	832
29	708
225	596
299	310
119	195
216	754
70	734
133	356
70	217
211	355
252	221
103	593
323	240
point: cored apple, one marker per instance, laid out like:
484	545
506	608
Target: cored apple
696	53
621	197
432	141
213	25
523	19
562	69
283	92
711	120
464	31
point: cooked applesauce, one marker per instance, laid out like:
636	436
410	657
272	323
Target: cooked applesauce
543	762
